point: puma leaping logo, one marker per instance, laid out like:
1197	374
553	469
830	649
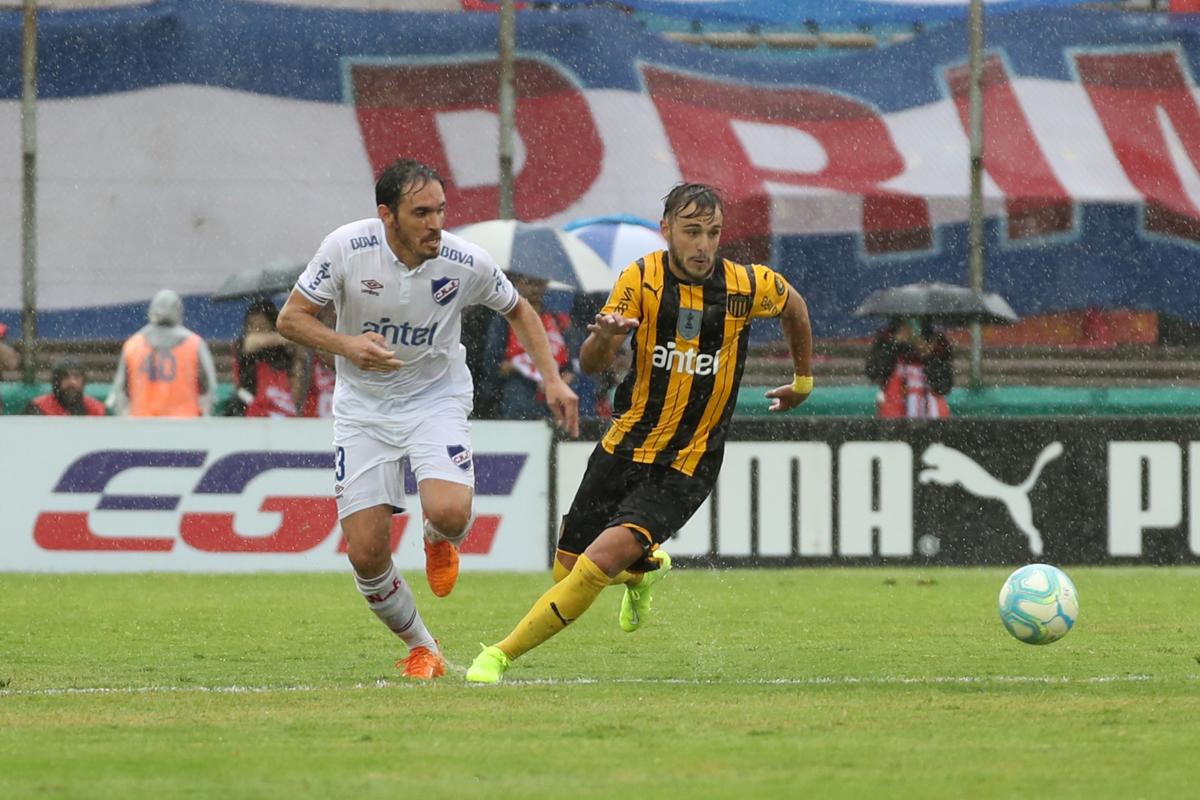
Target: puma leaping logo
654	290
947	467
564	620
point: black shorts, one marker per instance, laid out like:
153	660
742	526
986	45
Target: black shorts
616	491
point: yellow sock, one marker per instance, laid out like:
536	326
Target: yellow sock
561	605
624	576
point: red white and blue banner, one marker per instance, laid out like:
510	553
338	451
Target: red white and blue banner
182	141
823	12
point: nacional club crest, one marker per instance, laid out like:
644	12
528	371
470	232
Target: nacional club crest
738	305
444	290
689	322
459	455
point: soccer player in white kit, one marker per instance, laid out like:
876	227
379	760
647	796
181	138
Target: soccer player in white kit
399	284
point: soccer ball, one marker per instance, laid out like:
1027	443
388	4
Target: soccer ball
1038	604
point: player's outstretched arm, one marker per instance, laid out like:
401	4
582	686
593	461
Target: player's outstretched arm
298	322
605	336
798	332
563	403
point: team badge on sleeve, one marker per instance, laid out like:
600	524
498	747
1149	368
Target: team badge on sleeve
460	456
444	290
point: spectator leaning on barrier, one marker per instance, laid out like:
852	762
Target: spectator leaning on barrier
913	364
165	369
66	397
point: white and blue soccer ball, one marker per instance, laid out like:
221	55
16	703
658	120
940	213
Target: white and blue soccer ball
1038	604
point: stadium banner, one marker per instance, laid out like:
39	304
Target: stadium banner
962	492
234	495
823	12
182	141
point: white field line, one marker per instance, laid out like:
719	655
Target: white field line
824	680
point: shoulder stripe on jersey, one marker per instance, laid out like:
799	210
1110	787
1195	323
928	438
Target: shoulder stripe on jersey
318	300
512	305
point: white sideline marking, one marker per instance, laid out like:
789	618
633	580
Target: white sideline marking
827	680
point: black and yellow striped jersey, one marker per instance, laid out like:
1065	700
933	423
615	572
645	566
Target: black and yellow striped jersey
674	406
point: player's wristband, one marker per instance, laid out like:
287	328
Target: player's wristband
803	384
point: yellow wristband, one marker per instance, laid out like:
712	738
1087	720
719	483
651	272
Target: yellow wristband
803	384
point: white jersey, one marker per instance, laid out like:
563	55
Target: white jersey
418	311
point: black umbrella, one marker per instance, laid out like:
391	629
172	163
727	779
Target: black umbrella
262	282
952	306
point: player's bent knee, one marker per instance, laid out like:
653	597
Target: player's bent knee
615	550
452	524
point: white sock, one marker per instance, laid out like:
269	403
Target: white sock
392	601
432	534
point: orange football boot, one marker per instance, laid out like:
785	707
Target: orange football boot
441	566
422	663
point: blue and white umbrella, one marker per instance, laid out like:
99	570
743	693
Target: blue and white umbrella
619	239
541	251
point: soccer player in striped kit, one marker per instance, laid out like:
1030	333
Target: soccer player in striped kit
689	314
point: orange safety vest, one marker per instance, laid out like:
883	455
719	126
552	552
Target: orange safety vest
163	383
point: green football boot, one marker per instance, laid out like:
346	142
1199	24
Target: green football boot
488	666
635	605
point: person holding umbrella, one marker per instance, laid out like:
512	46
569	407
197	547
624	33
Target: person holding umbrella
910	360
399	284
913	364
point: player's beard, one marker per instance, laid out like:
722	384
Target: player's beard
689	268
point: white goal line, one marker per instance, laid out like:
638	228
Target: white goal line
816	681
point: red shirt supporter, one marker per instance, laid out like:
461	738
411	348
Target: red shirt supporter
318	401
66	397
263	367
914	366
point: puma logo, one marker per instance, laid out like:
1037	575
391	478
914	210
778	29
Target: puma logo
654	290
946	466
561	618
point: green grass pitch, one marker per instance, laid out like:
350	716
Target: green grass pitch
816	683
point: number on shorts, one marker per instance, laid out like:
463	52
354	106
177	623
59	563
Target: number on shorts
339	464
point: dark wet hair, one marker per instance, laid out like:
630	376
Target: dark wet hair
402	176
264	306
705	200
65	366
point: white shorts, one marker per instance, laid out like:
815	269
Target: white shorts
368	472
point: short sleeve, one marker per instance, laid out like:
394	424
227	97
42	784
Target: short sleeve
492	288
626	297
770	294
322	277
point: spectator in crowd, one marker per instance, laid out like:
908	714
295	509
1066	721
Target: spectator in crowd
264	365
319	375
515	381
66	397
9	359
165	369
913	364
